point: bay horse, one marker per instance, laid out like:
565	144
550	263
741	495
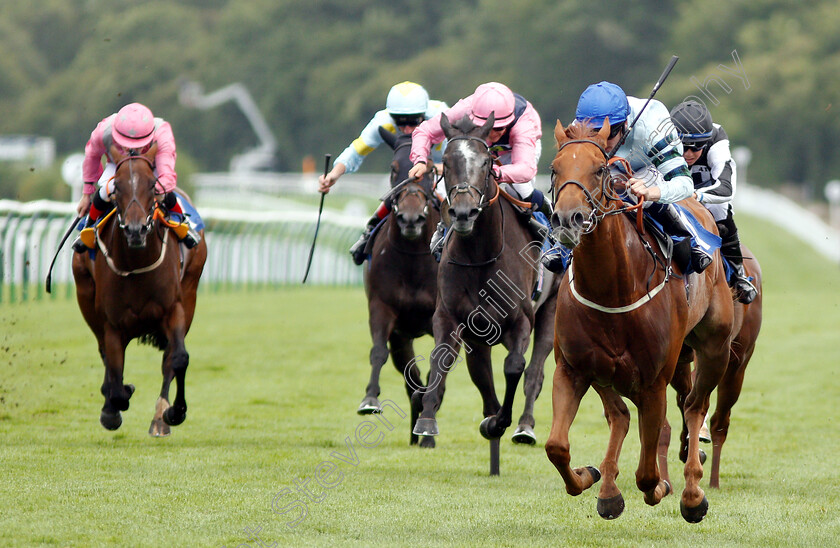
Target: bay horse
401	277
622	318
137	288
746	326
487	271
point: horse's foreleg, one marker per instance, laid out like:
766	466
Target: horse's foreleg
651	404
381	321
681	383
569	387
443	358
116	393
517	344
159	428
402	356
176	359
535	372
610	500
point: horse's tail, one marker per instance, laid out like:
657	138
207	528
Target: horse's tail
155	338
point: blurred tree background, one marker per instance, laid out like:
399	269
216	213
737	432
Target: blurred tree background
318	69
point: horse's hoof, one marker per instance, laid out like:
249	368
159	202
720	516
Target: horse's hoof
111	421
427	442
596	474
159	429
425	427
668	488
490	428
612	507
696	514
524	435
173	417
369	406
129	388
702	457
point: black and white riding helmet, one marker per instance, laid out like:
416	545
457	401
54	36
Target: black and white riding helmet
693	123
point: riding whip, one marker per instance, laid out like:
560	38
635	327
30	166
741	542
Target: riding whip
656	87
60	245
327	158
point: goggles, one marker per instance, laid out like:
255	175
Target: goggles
408	119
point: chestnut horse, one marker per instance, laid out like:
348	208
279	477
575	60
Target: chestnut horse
137	287
401	277
622	318
487	272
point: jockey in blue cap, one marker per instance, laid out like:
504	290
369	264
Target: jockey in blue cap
654	152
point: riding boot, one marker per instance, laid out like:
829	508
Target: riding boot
555	259
357	250
436	244
189	237
745	291
673	224
98	206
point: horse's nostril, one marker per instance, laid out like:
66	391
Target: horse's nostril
577	219
474	212
555	219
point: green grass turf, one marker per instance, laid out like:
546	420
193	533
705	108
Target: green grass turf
274	381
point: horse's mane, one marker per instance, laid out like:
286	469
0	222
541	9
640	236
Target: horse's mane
464	124
581	130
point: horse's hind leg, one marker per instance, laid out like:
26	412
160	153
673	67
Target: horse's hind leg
116	393
402	355
535	372
381	322
176	359
610	500
569	388
729	390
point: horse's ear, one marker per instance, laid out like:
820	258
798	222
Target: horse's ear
151	153
559	133
488	126
389	138
604	133
116	153
446	125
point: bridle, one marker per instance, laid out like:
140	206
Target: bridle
464	187
599	210
150	213
150	219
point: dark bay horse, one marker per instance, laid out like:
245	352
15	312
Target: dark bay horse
747	326
487	272
137	288
622	318
401	277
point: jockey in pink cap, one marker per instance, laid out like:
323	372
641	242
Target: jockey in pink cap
514	142
133	128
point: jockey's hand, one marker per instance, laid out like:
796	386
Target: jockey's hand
418	171
84	205
639	188
325	182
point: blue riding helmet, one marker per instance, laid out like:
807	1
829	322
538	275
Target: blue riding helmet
602	100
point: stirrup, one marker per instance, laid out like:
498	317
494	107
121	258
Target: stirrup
357	250
745	291
699	260
436	243
79	246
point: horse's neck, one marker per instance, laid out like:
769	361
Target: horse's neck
611	260
487	236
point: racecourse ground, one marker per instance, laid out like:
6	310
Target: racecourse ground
274	381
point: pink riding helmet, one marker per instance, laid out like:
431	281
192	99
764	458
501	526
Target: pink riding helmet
493	97
134	126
